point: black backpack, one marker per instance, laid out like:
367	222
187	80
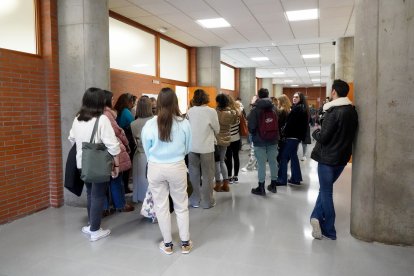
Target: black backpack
268	125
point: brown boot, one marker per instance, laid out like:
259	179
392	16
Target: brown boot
225	187
217	187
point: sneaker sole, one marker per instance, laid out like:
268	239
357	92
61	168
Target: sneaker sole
165	252
316	229
100	237
186	251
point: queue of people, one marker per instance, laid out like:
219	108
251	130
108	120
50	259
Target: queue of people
162	138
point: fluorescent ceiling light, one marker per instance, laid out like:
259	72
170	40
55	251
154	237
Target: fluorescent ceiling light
311	56
288	80
316	80
301	15
314	72
140	65
278	73
259	58
213	23
294	85
316	84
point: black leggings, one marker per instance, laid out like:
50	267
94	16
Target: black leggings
233	153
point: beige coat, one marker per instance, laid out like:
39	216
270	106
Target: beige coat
226	117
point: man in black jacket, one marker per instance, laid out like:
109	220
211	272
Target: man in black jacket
332	152
265	148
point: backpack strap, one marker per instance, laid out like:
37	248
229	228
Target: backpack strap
95	127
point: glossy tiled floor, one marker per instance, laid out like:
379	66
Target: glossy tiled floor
242	235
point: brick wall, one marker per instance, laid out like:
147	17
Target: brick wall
30	148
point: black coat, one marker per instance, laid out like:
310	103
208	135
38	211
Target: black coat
73	182
296	123
334	139
253	122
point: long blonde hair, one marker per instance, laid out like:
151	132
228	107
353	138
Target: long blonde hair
284	103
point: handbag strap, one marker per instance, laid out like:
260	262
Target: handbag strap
95	127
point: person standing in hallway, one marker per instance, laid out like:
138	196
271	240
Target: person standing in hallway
124	119
139	163
204	126
226	117
265	148
232	152
93	104
293	132
166	140
332	152
116	188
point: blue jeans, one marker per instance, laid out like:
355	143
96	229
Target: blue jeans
289	151
263	154
95	194
116	188
324	209
221	167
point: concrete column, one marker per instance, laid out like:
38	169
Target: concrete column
330	81
208	67
382	204
83	60
278	89
344	59
247	86
268	83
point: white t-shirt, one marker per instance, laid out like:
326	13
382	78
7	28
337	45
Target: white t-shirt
81	132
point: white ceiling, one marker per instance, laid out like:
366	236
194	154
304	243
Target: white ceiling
258	28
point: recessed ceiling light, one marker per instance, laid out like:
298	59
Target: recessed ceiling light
259	58
213	23
314	72
301	15
163	30
311	56
278	73
294	85
288	81
316	80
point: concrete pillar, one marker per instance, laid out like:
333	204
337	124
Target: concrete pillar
382	204
268	83
344	59
278	90
247	86
83	60
330	81
208	67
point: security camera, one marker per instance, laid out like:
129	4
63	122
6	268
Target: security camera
333	43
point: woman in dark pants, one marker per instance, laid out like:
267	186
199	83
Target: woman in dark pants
93	104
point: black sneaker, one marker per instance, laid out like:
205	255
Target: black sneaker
235	179
296	183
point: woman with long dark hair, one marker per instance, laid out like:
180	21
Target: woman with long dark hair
93	103
166	140
124	118
226	117
116	187
294	131
139	178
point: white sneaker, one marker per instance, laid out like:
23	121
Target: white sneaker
244	169
303	158
316	229
99	234
86	229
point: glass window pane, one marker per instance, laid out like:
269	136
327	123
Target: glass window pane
182	95
18	25
131	49
227	77
173	61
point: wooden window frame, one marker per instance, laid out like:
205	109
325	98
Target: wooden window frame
157	36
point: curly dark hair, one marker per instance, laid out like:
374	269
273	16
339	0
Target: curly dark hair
200	97
222	101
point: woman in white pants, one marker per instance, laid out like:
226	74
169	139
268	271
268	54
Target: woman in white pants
166	140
